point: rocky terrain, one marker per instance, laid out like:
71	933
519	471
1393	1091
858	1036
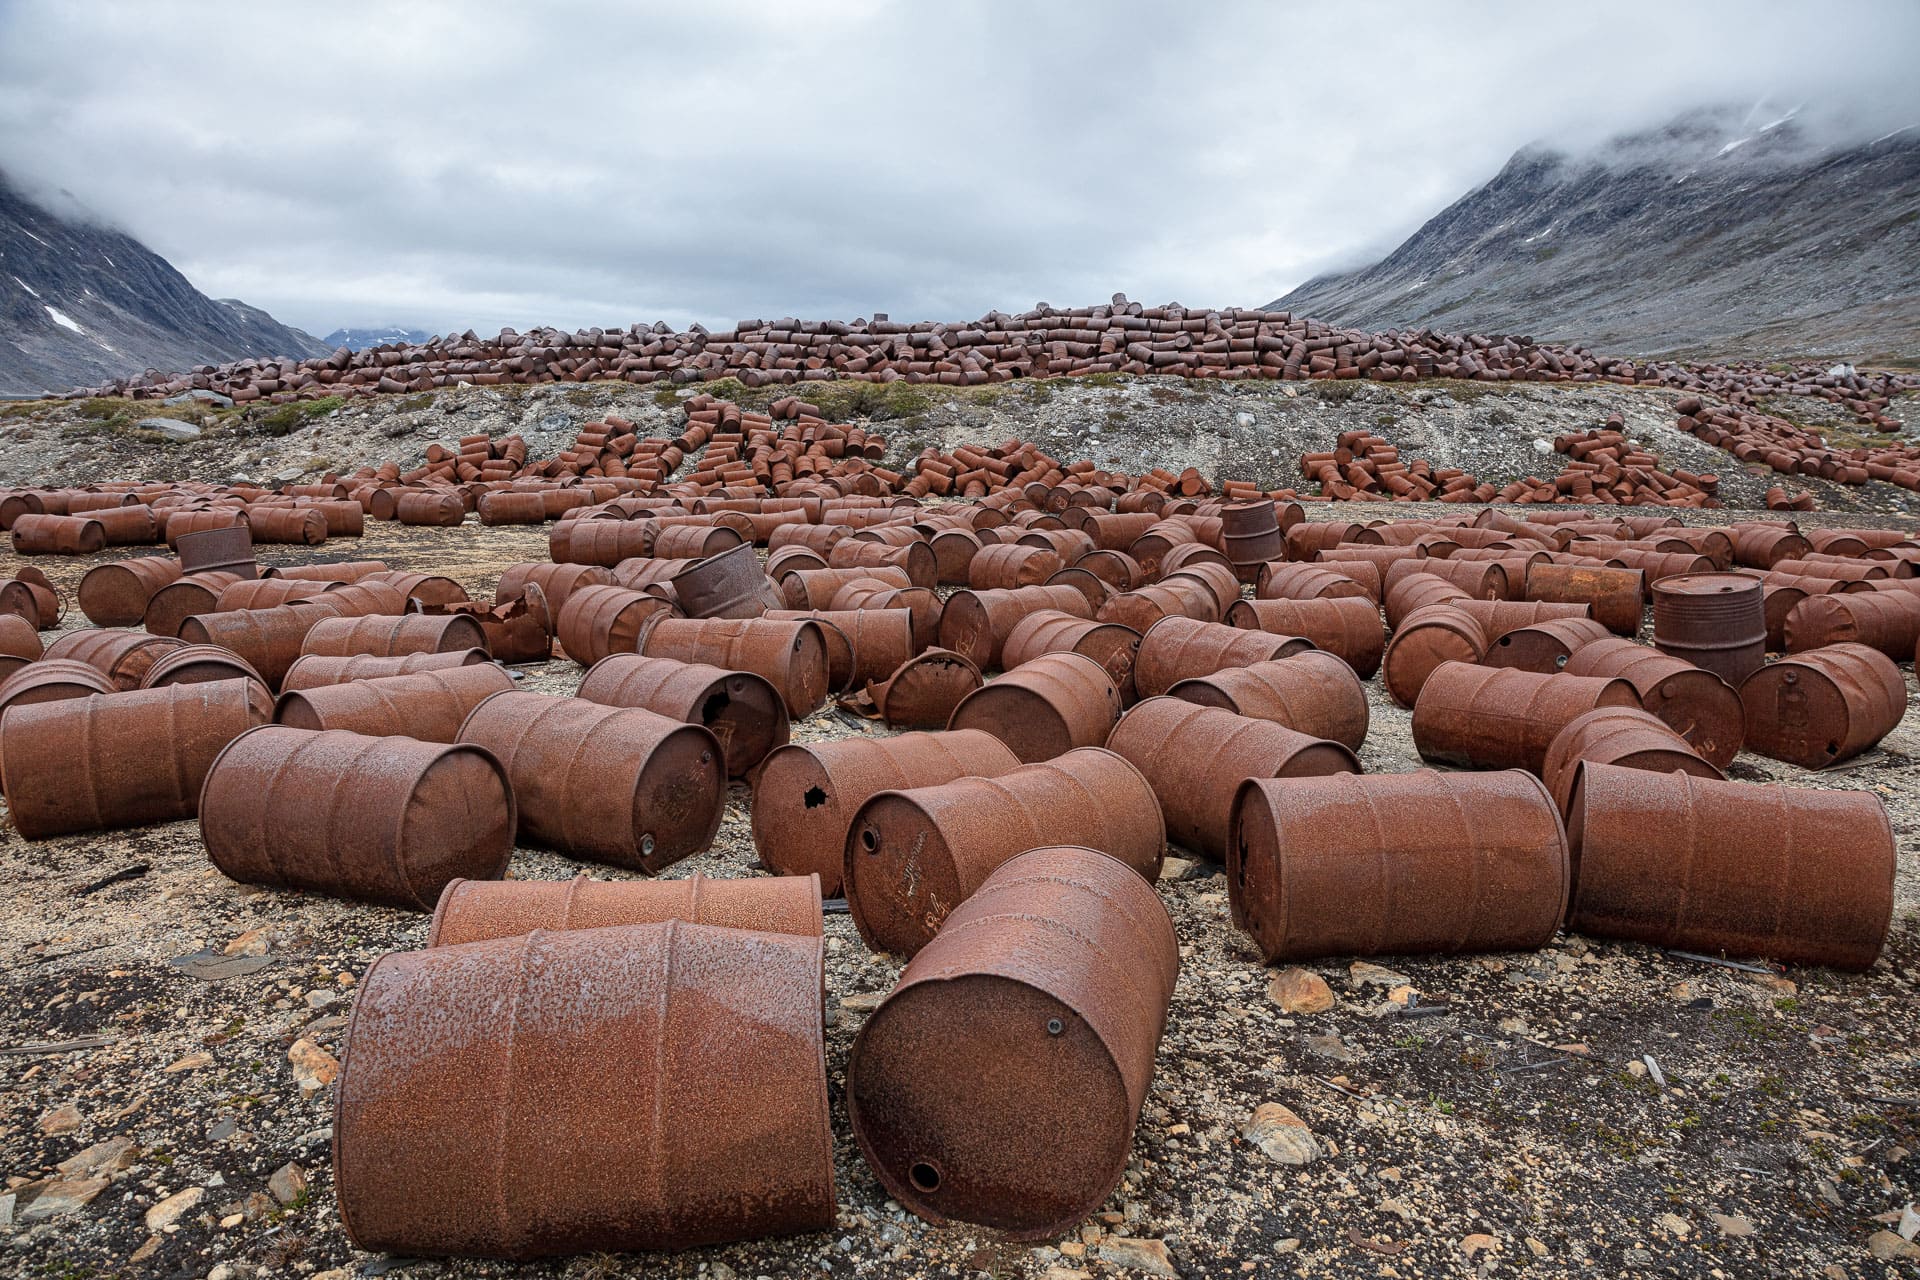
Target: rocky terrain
81	303
167	1038
1720	233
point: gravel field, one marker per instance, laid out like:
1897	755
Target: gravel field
1591	1109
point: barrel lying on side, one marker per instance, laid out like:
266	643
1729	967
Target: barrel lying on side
1627	736
1313	693
1821	706
1492	718
476	910
428	705
1044	708
741	709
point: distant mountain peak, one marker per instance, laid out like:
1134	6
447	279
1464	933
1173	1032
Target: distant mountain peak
359	339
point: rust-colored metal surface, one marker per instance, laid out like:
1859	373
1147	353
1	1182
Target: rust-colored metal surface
1760	546
313	672
1478	717
915	560
1046	707
124	657
1627	736
1419	591
266	593
806	794
1178	596
1250	534
29	594
427	588
1796	875
742	710
866	594
816	588
792	656
1346	627
600	620
1697	704
650	1086
333	571
1115	568
388	636
1195	758
1217	578
295	526
43	535
1000	1081
1885	620
19	643
1282	581
1543	647
519	631
877	640
117	594
1175	649
88	764
200	663
923	691
728	585
1618	596
428	705
1822	706
617	785
1424	640
913	856
52	680
268	639
1051	631
476	910
1716	621
1403	863
557	581
1480	579
226	550
977	623
171	605
1313	693
384	819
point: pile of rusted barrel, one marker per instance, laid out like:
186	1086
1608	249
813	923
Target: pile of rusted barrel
578	1066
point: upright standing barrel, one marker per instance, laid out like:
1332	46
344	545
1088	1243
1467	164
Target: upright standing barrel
1716	621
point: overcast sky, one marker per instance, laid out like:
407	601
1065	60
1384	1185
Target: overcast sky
480	164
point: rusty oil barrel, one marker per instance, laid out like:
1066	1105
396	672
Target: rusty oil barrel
1617	596
600	620
191	596
1282	581
924	690
867	595
1064	963
1695	703
1346	627
1313	693
427	588
913	856
877	641
1179	595
1476	717
1716	621
35	535
557	581
1196	757
123	657
201	663
31	595
52	680
116	594
313	672
816	588
87	764
1175	649
1480	579
806	794
791	656
292	526
976	624
1404	863
1797	875
1419	591
616	785
266	593
1044	708
428	705
19	644
434	507
384	819
1424	640
728	585
224	550
1821	706
1544	647
268	639
391	636
1050	631
1627	736
1250	534
1888	621
478	1113
477	910
742	710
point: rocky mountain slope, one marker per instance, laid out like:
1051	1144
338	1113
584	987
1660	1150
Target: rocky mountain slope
83	303
1712	235
377	336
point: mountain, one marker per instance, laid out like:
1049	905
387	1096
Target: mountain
83	304
1703	237
361	339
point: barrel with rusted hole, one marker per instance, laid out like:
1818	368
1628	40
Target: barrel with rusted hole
428	705
976	624
742	710
913	856
558	581
385	636
1346	627
1617	596
1627	736
88	763
313	672
923	691
1797	875
806	794
228	549
1175	649
58	536
1313	693
1697	704
1543	647
1717	621
52	680
385	819
616	785
791	656
476	910
1195	758
878	640
1178	596
124	657
1424	640
116	595
1822	706
1000	1080
478	1113
1050	631
600	620
1478	717
1888	621
1046	707
1397	864
728	585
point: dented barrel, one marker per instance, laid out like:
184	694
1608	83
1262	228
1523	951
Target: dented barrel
476	910
1046	707
1626	736
791	656
1821	706
428	705
742	710
1313	693
313	671
1175	649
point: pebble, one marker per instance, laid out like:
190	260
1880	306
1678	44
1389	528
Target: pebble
63	1119
1150	1256
1300	991
1732	1224
165	1215
1674	1225
1889	1247
1283	1136
56	1198
1362	973
288	1183
1477	1243
192	1062
110	1156
313	1067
